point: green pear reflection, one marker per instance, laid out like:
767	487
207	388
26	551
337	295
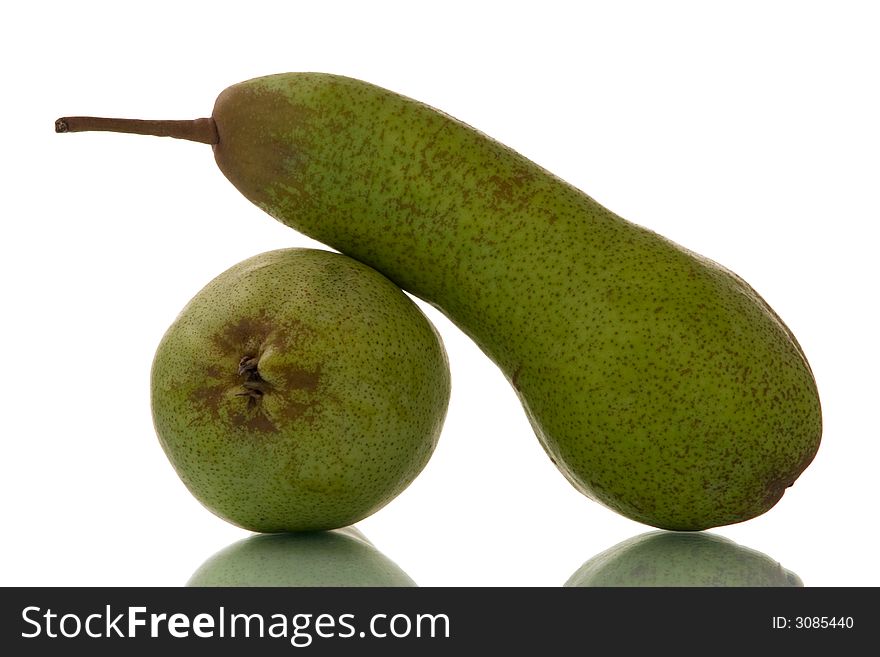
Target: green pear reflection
342	557
681	559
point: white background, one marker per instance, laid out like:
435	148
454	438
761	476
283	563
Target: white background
749	133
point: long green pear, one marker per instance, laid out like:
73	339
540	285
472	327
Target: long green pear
660	383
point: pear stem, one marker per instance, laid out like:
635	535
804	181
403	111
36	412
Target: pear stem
201	130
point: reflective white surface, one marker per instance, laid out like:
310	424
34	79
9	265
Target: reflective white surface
749	135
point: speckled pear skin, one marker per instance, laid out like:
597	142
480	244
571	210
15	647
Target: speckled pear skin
681	559
299	390
660	383
333	558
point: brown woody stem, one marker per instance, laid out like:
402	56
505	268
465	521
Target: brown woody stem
200	130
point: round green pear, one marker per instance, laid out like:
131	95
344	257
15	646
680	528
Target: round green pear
342	557
681	559
300	390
